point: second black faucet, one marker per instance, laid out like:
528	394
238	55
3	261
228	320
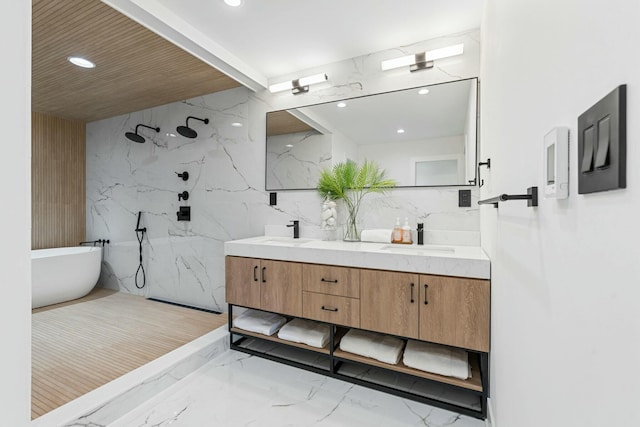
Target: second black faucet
296	228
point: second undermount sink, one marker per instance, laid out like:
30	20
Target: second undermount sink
418	249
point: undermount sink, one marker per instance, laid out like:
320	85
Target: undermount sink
418	249
284	241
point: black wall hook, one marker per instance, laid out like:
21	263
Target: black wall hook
488	165
184	175
183	196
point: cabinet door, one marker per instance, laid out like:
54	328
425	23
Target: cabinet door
281	287
389	302
455	311
242	278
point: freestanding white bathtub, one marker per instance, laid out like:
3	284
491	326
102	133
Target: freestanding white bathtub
63	274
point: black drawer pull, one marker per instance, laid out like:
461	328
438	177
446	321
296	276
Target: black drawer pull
255	273
328	281
264	279
425	294
412	285
329	309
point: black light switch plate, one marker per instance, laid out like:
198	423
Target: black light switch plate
464	198
273	199
602	144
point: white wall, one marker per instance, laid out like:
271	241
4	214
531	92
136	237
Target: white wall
565	276
15	245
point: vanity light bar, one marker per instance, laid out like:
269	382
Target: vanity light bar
300	85
422	60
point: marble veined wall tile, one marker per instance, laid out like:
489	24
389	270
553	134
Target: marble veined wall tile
184	261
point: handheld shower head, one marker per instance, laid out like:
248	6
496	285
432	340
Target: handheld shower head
186	131
135	137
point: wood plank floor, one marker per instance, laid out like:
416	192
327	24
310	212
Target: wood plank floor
80	345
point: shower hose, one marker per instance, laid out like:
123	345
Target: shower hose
140	236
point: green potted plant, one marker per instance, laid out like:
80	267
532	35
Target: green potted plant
350	182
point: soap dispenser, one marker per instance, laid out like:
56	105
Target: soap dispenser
406	232
396	235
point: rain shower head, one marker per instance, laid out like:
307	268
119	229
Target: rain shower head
135	137
186	131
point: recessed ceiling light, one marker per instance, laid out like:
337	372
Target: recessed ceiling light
233	3
423	91
341	104
289	145
81	62
236	124
400	130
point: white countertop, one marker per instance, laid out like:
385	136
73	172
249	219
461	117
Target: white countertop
460	261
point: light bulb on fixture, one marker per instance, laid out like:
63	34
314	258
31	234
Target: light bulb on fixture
300	85
422	60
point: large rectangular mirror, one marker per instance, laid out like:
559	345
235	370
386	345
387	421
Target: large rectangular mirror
424	136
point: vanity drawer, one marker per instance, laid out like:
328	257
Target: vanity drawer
328	279
331	309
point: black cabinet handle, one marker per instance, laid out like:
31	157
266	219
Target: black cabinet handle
255	273
328	281
262	275
425	294
412	285
329	309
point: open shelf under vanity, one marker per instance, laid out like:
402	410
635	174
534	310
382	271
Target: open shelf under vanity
467	397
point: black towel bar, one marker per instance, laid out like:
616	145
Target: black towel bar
531	197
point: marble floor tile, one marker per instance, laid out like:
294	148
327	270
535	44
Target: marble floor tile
236	389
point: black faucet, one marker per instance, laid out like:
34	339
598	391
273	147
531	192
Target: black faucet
420	230
296	228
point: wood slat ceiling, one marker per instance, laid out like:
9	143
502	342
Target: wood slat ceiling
135	68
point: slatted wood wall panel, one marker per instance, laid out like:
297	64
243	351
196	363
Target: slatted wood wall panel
80	345
57	181
135	69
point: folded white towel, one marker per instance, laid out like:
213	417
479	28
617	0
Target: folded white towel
376	235
371	344
259	321
437	359
307	332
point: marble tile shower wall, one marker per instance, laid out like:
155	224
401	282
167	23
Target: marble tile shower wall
184	261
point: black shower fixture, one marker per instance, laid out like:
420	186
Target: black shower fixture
186	131
135	137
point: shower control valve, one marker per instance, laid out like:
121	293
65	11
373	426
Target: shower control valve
184	175
183	196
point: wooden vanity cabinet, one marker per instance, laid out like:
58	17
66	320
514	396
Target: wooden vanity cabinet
389	302
455	311
268	285
445	310
452	311
331	294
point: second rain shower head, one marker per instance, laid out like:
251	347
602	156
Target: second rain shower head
136	137
186	131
